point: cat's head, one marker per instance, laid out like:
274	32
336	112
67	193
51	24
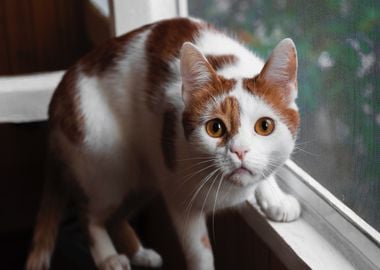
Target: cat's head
246	126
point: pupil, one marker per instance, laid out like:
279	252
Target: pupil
216	127
265	125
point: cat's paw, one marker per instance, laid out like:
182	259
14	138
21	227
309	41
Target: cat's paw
146	258
285	209
115	262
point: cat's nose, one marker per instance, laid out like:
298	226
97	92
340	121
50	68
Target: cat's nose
239	151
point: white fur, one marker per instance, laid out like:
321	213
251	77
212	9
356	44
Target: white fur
101	126
146	258
122	147
277	205
249	65
115	262
280	59
102	249
194	72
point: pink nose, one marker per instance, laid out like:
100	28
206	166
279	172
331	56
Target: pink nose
239	151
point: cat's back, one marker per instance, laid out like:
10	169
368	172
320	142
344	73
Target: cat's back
109	90
120	74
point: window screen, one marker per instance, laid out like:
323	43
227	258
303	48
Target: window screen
338	43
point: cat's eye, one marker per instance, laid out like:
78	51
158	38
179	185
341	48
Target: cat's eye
215	128
264	126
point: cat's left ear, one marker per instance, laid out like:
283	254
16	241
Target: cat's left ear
196	71
280	71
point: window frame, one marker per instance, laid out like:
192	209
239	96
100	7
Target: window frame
343	239
25	98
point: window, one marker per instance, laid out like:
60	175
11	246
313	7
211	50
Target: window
338	43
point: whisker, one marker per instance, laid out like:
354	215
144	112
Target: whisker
189	176
213	210
196	165
196	158
304	151
208	192
305	142
190	204
200	186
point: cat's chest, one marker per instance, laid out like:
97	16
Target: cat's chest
137	199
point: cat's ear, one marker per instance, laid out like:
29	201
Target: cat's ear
196	72
280	71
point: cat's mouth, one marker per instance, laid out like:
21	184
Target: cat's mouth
241	176
240	172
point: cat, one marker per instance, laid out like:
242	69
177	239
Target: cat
179	107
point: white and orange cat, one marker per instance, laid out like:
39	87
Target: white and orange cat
177	107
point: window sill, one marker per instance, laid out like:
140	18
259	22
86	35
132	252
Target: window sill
26	98
327	236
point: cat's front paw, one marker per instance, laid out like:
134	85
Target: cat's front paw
285	209
147	258
115	262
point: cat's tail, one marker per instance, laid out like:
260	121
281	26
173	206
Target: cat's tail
53	202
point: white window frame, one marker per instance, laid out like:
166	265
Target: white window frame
26	98
130	14
328	235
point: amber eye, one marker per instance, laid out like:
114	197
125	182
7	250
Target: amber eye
215	128
264	126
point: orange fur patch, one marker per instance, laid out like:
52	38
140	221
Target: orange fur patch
168	137
279	102
206	242
200	98
229	112
220	61
52	206
106	55
125	237
163	46
63	109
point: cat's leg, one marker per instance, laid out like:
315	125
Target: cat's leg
103	250
193	235
276	204
127	242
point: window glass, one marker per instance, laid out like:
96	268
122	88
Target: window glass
338	43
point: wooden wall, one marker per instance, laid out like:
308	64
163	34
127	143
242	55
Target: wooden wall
40	35
22	154
35	36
